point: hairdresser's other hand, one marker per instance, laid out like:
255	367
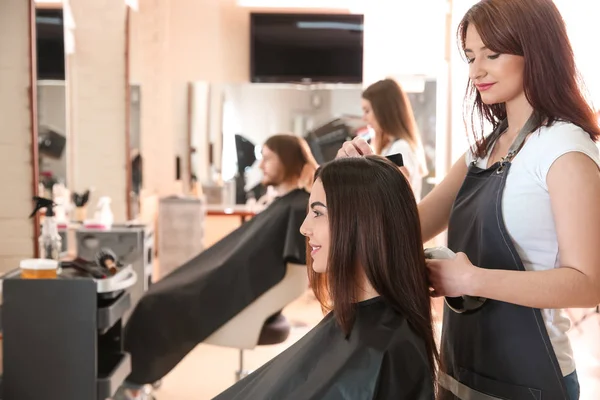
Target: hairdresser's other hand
357	147
452	278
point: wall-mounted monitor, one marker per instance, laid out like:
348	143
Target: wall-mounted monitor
306	48
50	44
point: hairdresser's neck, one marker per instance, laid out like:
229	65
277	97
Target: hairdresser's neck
518	111
285	187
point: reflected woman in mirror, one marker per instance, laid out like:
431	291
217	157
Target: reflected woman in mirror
387	110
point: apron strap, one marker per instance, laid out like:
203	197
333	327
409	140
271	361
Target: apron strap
531	124
461	390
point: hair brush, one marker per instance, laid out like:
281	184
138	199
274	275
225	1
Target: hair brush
107	259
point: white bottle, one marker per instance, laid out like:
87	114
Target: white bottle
103	214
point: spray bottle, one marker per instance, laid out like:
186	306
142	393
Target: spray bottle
49	240
103	215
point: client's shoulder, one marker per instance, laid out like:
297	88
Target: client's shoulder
378	314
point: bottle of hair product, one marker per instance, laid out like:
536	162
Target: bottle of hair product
104	215
50	241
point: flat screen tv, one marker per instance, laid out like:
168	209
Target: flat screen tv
306	48
50	44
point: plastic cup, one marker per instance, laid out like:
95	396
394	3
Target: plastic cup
39	268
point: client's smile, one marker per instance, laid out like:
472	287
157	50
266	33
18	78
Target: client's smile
315	248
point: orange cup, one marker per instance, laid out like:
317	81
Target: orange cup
39	268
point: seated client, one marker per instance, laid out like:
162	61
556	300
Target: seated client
367	268
187	306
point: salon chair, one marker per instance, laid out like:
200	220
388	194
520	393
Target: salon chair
250	328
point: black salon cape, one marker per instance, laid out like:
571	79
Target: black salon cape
187	306
383	359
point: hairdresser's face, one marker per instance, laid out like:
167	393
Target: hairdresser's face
369	115
271	167
497	77
316	227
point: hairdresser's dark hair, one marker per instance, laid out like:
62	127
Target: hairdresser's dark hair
535	30
373	225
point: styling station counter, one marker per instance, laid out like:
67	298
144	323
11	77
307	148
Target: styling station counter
62	338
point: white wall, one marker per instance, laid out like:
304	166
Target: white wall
346	101
581	18
403	38
459	141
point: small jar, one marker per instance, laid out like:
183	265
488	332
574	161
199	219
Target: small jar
39	268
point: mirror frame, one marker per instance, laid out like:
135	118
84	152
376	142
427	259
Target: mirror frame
34	120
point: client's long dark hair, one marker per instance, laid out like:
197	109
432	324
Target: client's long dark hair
374	224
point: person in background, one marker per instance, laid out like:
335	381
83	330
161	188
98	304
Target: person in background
184	308
287	163
521	208
387	110
366	266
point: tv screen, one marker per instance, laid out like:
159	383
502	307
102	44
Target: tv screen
306	48
50	44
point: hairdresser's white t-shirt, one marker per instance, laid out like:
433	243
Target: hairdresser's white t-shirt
528	214
411	162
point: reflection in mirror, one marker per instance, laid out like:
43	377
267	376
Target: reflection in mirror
52	141
423	103
326	115
135	155
247	114
198	136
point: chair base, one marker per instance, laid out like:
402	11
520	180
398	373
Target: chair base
241	373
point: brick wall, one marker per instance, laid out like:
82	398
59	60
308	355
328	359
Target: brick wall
16	230
96	94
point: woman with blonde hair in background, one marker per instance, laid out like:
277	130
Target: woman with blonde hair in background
388	112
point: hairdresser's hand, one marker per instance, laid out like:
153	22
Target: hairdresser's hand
452	278
357	147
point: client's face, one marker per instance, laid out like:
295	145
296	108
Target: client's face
271	167
316	227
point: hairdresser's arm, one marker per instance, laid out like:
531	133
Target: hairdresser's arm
574	188
434	209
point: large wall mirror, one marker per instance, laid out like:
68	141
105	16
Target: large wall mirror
51	99
233	121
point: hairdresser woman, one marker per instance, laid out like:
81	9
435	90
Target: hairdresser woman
521	207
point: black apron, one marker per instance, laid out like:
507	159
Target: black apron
500	350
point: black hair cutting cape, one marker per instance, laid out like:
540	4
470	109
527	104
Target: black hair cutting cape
382	359
188	305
